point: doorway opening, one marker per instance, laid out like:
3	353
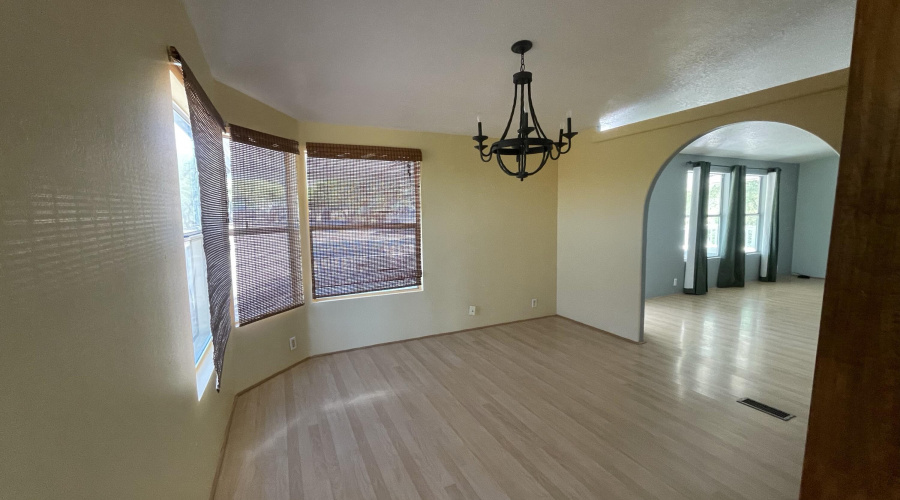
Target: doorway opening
750	205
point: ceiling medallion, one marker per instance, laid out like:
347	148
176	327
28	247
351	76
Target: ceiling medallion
524	144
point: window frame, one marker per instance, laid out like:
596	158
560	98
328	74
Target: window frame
723	199
311	228
723	179
293	213
203	364
758	213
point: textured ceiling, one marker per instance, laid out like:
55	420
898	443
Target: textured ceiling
767	141
432	66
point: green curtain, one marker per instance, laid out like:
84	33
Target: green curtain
731	256
695	273
768	262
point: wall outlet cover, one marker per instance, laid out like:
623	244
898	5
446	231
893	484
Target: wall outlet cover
533	302
293	343
471	310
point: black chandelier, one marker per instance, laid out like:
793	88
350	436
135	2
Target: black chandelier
524	143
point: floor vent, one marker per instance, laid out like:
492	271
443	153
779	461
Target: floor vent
775	412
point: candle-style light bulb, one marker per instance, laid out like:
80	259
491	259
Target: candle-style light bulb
479	125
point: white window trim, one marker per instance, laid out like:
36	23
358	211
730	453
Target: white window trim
376	293
204	369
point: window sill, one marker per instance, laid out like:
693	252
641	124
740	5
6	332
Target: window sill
394	291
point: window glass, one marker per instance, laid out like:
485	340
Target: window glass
195	258
715	194
712	236
364	218
714	209
188	177
751	218
265	225
689	190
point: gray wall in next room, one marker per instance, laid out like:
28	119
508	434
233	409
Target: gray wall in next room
665	225
815	206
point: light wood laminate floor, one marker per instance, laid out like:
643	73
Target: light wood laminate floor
546	409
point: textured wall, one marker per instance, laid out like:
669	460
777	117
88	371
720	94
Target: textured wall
99	395
487	240
98	389
604	182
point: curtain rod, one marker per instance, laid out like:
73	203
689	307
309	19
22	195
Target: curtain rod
712	165
732	166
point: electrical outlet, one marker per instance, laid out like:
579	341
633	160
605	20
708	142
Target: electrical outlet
471	310
675	283
293	343
533	302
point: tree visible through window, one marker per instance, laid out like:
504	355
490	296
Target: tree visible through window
193	239
714	212
751	213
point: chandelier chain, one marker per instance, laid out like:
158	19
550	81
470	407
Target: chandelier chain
522	66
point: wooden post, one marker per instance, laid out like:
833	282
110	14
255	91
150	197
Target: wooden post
853	445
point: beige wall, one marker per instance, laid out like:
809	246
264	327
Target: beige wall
605	181
487	240
98	394
97	391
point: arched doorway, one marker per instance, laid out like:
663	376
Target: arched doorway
760	145
755	338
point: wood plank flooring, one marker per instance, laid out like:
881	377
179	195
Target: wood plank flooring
546	409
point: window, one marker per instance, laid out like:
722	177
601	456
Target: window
689	189
265	224
752	211
364	218
714	212
195	258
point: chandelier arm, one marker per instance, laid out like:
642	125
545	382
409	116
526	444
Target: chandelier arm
543	162
503	166
537	126
511	114
486	157
558	152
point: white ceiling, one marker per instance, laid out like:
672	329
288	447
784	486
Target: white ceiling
767	141
433	65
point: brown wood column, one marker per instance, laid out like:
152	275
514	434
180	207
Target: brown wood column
853	445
